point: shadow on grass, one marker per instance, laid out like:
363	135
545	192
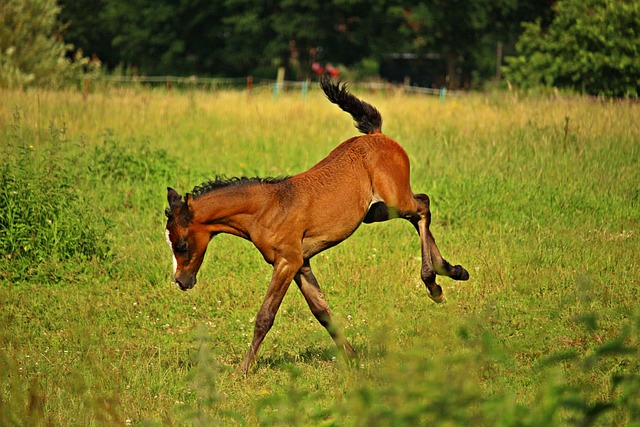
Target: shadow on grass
282	359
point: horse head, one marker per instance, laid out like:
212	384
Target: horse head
188	245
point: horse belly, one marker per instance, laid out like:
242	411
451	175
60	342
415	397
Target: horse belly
330	228
337	194
313	246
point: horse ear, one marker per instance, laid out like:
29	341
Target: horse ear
187	201
173	198
185	211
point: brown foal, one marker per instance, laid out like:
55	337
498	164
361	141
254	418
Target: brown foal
289	220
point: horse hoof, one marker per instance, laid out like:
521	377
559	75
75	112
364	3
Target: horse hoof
460	273
437	299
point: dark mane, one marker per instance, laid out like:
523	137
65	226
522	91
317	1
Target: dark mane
223	182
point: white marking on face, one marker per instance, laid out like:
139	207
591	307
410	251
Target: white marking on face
175	261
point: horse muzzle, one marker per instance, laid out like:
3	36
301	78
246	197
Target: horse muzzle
185	281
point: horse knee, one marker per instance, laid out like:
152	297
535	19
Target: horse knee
323	316
422	207
263	324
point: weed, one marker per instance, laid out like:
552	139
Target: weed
132	162
44	216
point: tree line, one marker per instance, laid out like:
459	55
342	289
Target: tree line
254	37
592	46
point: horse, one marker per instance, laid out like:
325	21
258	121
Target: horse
292	219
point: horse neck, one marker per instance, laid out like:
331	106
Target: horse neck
228	210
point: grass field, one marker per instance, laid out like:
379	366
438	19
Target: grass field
539	198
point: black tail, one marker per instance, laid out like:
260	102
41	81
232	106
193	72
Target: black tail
368	119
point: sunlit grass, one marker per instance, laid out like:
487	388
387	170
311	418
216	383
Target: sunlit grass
538	197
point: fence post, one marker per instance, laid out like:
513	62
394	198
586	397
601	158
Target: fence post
499	61
279	82
85	92
249	84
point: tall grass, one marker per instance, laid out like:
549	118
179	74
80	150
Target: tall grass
45	219
538	197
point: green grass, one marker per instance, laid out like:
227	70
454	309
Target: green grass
539	198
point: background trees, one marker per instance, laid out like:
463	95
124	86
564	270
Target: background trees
466	35
592	46
579	44
238	37
32	50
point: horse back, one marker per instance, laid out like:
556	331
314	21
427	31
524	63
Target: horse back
333	197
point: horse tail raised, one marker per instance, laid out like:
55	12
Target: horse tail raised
367	117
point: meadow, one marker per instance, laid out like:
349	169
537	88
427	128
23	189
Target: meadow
537	196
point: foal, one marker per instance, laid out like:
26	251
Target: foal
289	220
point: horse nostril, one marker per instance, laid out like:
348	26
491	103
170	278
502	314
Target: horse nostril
185	282
180	285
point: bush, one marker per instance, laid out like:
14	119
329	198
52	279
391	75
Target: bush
132	162
32	50
591	46
44	217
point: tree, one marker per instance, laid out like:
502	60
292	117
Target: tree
592	46
247	31
166	36
465	33
32	50
363	29
86	27
240	37
265	34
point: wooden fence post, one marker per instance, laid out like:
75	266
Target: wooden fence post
279	82
249	84
85	91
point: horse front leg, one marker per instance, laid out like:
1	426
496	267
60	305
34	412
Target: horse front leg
283	272
312	293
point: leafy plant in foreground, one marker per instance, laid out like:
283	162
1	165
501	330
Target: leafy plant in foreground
44	216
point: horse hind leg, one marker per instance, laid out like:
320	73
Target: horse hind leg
416	210
378	212
312	293
441	266
432	261
427	272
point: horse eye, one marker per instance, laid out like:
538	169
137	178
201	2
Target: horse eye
181	248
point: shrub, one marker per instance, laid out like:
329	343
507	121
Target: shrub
44	216
32	50
133	162
591	46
